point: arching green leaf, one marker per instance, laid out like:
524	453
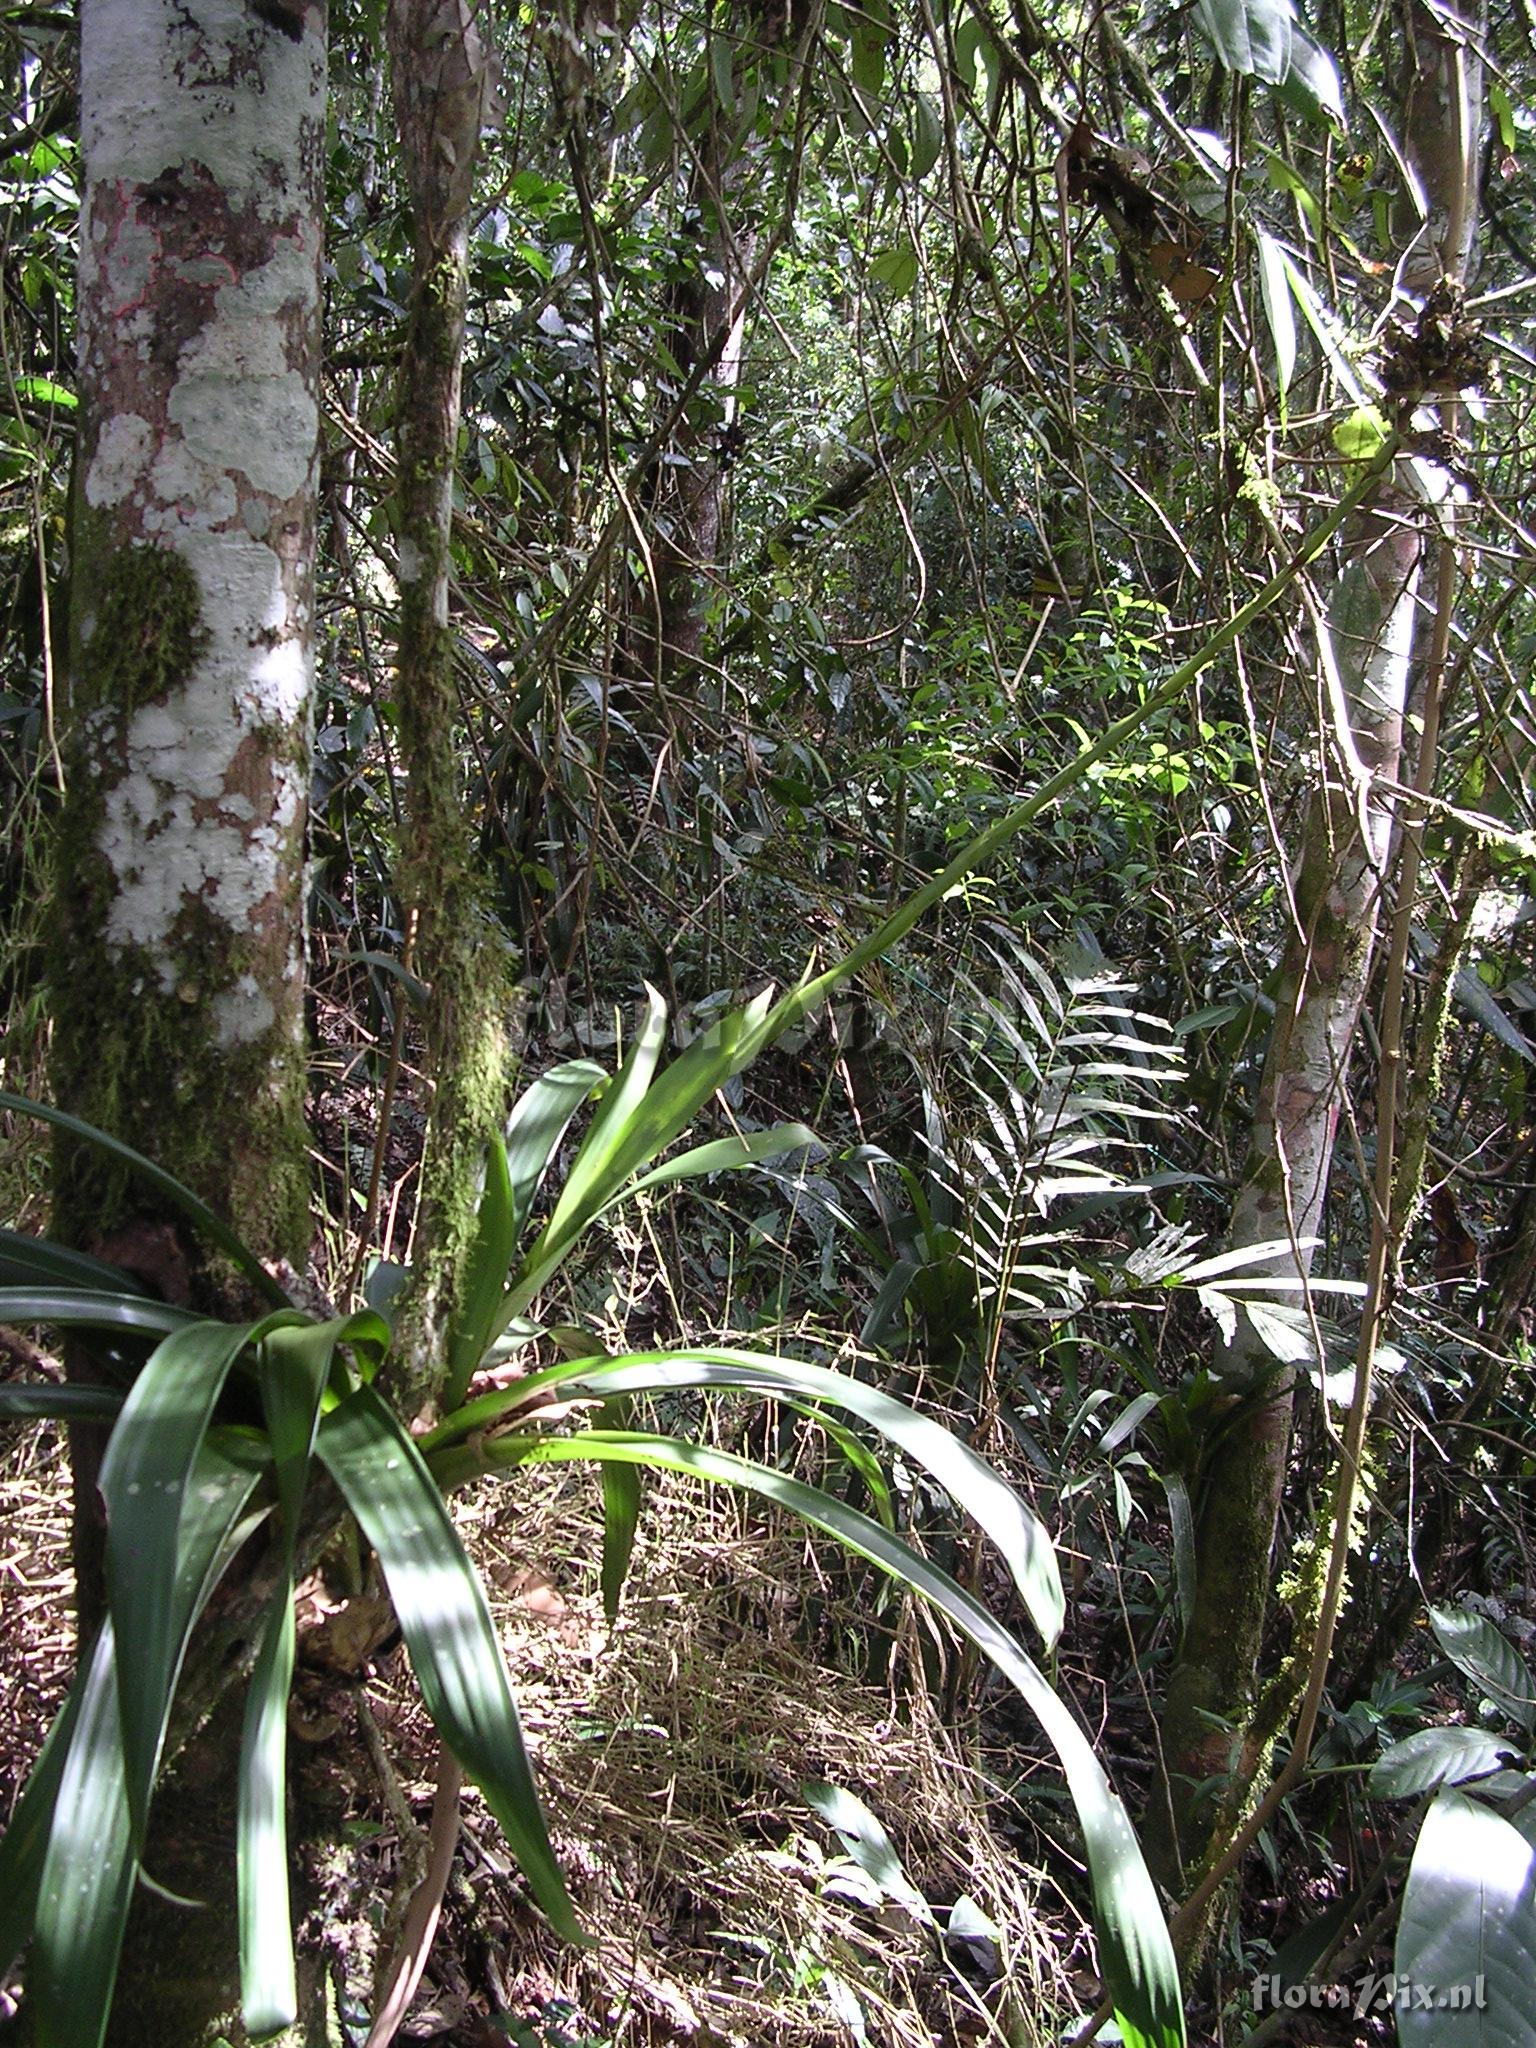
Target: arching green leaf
969	1479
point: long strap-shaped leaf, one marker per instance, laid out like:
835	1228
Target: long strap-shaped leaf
25	1841
477	1319
639	1118
146	1478
38	1261
92	1308
1136	1956
293	1366
86	1880
514	1170
86	1876
268	1986
1023	1541
25	1401
539	1120
599	1163
447	1626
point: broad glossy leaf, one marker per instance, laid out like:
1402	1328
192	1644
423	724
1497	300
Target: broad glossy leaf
1312	85
147	1479
1436	1756
1467	1930
968	1478
191	1206
447	1627
1251	37
1487	1656
1136	1955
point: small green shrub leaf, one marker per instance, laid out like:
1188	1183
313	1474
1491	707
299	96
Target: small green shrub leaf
867	1843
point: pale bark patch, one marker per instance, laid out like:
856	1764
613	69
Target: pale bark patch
179	826
182	93
121	459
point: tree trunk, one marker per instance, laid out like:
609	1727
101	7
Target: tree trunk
177	965
1212	1743
708	318
441	72
179	940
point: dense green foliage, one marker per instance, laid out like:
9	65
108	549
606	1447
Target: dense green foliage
898	532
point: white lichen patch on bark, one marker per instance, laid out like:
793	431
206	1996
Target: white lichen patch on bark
182	92
242	1013
121	459
238	404
179	827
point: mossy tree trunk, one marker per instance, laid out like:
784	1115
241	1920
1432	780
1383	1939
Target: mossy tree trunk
177	965
1214	1740
177	969
441	67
